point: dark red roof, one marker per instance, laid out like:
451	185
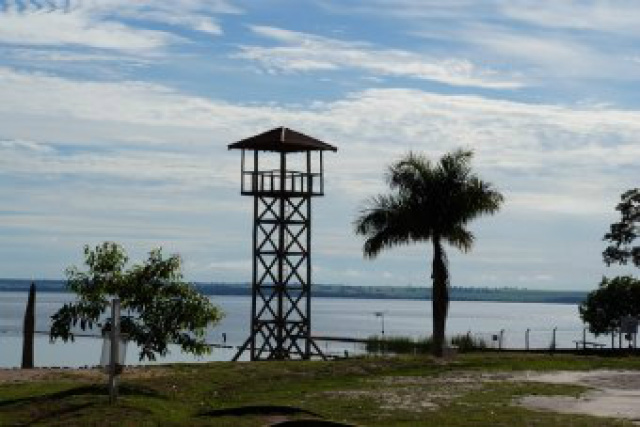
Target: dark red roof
281	139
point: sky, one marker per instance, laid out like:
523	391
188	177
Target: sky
115	116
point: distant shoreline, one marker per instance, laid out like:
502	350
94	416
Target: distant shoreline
358	292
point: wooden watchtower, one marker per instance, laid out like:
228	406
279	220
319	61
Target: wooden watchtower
284	173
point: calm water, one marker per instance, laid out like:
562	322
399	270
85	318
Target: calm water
331	317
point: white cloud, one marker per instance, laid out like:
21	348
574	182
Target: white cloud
547	157
195	22
25	157
307	52
548	59
123	158
614	16
128	102
619	16
24	146
557	45
77	28
51	56
412	9
536	49
102	24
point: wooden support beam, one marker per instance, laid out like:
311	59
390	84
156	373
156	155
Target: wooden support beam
29	328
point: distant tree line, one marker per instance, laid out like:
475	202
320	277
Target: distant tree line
458	293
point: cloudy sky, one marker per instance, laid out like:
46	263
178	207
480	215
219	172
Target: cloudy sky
115	116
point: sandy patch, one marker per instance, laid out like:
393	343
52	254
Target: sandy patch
22	375
614	393
407	399
418	393
86	375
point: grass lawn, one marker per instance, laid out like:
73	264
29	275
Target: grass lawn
471	391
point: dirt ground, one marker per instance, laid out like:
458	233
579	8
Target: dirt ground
613	393
90	374
22	375
418	393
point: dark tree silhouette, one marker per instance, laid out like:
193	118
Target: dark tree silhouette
616	298
622	234
428	202
29	329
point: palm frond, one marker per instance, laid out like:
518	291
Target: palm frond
409	173
426	200
384	221
456	166
460	238
480	199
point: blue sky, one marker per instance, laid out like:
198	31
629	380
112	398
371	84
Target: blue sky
115	116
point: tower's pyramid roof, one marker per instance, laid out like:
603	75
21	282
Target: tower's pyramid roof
281	139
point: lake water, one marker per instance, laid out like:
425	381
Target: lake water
339	317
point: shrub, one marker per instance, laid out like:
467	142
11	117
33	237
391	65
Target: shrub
408	345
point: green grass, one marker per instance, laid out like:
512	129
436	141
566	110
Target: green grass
372	392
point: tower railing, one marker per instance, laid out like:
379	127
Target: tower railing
265	182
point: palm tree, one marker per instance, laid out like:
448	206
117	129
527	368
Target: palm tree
428	202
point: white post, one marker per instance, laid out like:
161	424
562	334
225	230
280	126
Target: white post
114	350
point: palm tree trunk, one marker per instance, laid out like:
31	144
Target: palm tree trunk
440	296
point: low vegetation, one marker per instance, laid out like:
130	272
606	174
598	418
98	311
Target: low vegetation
407	345
473	390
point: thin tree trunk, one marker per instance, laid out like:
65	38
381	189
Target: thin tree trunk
440	296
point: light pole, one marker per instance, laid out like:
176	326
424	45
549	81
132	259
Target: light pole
380	314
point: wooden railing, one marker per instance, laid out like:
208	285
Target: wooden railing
270	182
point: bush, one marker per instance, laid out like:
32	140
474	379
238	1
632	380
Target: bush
408	345
466	343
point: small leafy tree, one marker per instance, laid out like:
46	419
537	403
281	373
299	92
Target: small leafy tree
161	308
606	306
623	233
